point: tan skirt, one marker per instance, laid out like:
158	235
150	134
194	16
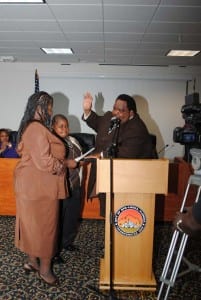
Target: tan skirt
36	231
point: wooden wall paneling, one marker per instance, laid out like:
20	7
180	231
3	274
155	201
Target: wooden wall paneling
7	197
166	206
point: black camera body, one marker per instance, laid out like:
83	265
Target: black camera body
190	134
186	136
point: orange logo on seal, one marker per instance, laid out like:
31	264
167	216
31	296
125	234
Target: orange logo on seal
130	220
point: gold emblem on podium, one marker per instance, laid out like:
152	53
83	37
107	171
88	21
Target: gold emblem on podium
130	220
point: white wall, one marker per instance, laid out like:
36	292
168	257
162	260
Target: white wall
159	94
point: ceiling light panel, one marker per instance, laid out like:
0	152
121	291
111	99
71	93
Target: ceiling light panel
57	50
22	1
182	53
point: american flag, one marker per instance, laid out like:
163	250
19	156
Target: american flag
36	82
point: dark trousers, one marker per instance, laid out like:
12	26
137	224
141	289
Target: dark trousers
69	218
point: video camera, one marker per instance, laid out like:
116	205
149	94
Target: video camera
190	134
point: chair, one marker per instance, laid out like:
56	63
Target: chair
13	137
86	140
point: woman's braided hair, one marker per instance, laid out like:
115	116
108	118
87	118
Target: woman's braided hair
36	100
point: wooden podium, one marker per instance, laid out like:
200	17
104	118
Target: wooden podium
135	183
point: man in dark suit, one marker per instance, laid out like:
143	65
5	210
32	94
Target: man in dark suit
133	139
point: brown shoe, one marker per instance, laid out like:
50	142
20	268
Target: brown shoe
55	282
28	267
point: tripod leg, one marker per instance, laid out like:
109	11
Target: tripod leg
170	282
178	259
191	267
167	263
194	180
171	252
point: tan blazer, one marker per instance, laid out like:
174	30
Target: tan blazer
39	182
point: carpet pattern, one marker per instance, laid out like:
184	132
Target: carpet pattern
79	275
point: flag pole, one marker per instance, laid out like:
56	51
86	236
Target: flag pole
37	89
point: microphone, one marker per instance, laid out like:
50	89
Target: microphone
114	123
163	148
166	148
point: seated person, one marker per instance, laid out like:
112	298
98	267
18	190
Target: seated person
7	149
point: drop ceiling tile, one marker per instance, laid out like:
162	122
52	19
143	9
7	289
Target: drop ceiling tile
81	26
129	13
178	14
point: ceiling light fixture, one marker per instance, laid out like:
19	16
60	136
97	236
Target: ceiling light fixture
182	53
7	59
58	50
21	1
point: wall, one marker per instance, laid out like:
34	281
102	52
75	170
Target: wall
159	93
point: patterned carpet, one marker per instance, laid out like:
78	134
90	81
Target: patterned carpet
79	275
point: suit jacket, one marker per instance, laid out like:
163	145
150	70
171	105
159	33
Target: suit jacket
39	183
133	141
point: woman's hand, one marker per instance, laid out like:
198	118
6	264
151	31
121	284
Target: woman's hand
71	163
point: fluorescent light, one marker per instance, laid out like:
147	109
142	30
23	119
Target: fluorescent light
7	59
22	1
182	53
57	50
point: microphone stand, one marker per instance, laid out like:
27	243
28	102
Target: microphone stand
112	153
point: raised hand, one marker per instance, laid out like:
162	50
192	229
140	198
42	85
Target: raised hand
87	103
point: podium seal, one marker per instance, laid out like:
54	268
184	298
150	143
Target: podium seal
130	220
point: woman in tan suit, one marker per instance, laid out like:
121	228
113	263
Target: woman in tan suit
39	183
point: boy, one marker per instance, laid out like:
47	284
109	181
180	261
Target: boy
70	207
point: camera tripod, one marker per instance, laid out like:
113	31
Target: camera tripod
176	250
